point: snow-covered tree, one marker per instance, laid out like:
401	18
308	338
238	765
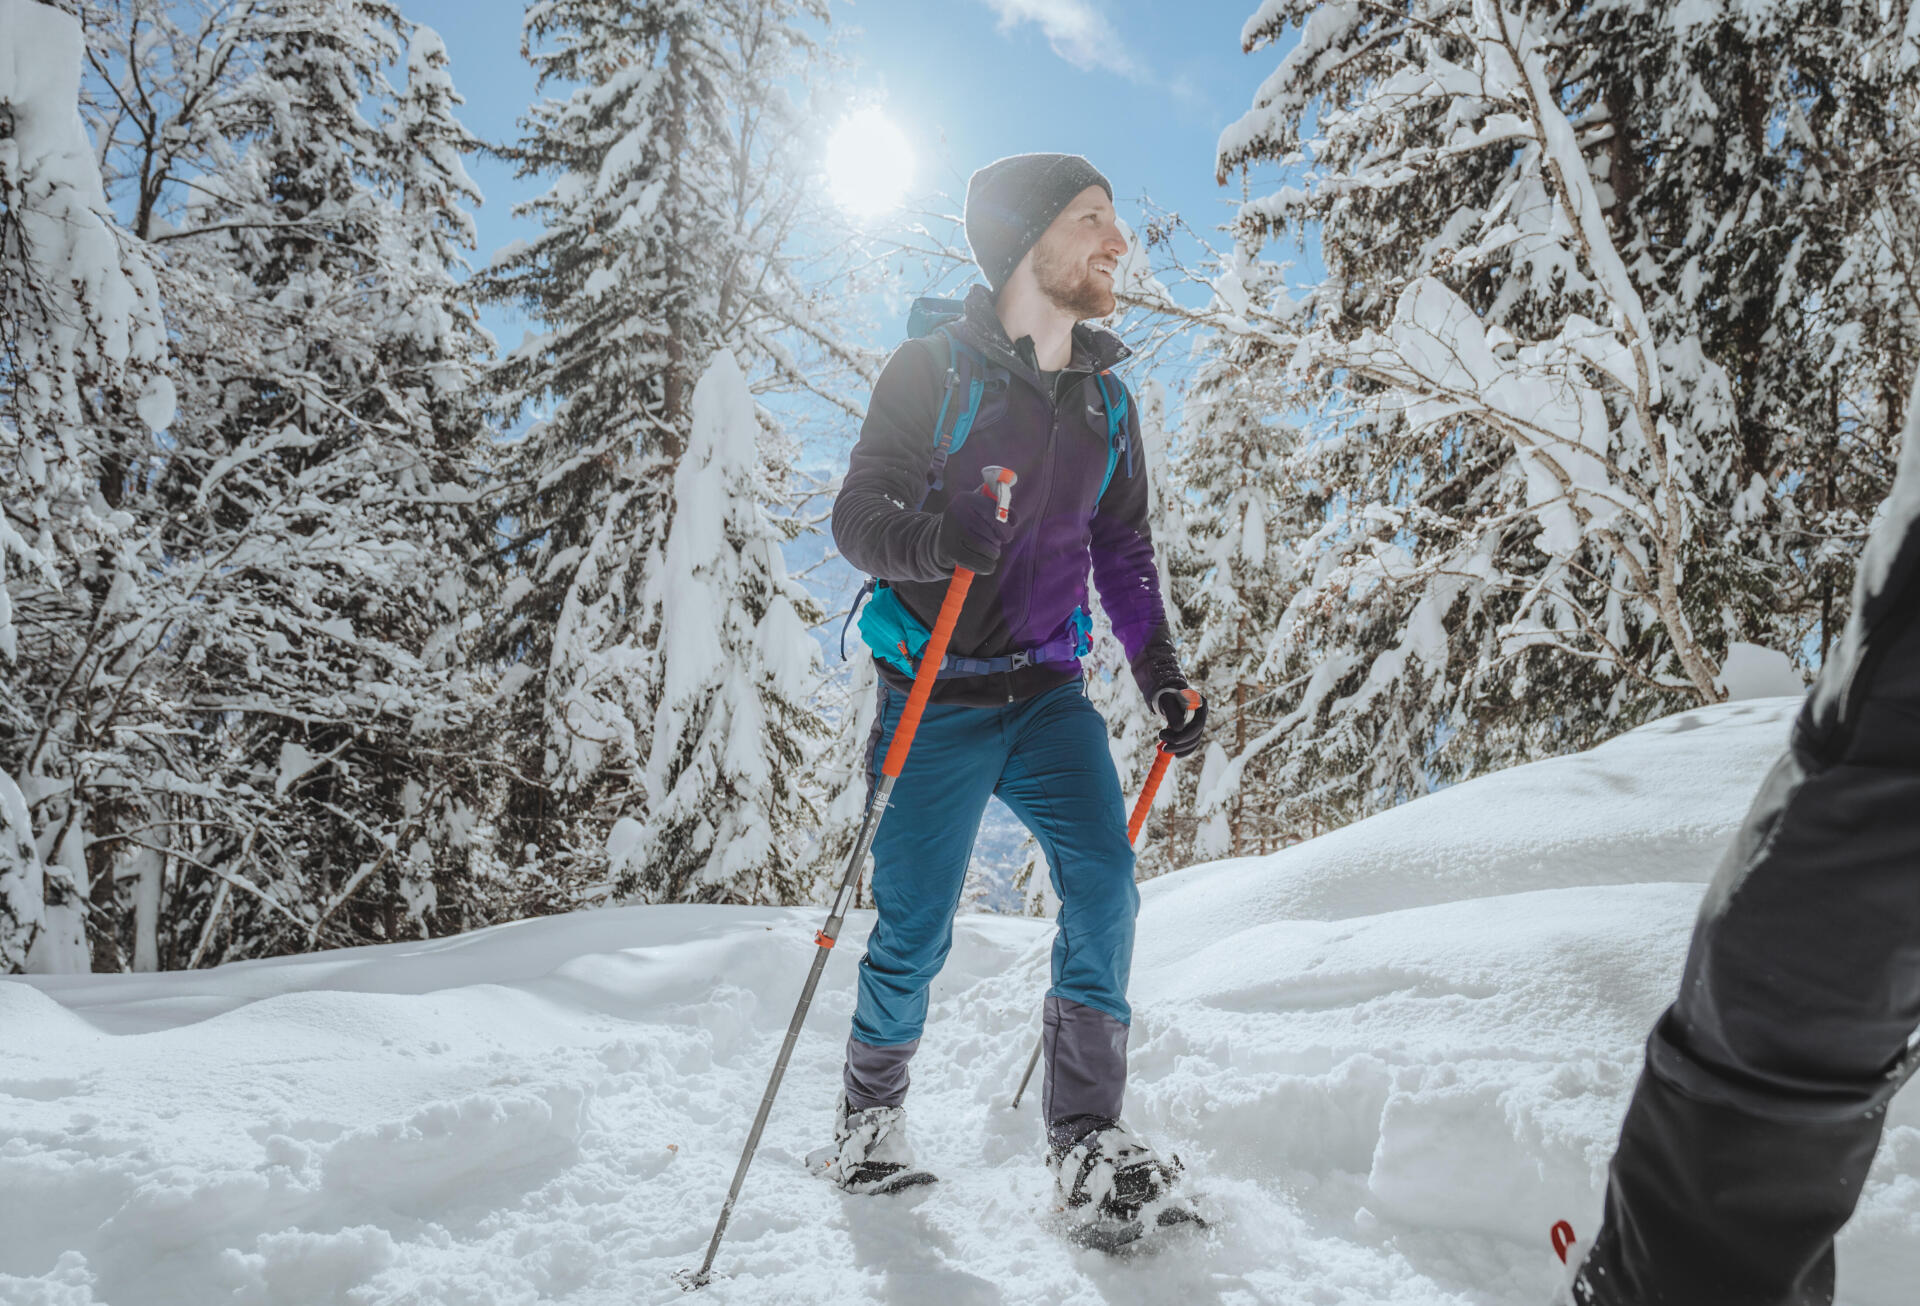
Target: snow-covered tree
1536	369
724	814
83	384
848	702
262	706
672	230
23	880
1237	573
323	491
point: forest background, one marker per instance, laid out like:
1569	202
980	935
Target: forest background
1542	376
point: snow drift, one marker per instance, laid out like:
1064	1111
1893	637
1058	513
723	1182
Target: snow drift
1390	1057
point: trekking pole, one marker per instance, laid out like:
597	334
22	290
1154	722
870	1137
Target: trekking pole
1162	758
999	484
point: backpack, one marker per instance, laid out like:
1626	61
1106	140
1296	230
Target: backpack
893	633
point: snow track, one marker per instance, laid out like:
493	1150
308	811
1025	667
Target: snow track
1390	1058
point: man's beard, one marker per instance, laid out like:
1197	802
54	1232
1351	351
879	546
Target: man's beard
1073	288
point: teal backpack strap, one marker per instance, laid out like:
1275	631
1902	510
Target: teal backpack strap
1113	394
965	377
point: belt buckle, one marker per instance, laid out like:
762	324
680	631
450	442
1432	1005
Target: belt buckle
1019	660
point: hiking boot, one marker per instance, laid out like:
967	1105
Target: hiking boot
1115	1185
870	1152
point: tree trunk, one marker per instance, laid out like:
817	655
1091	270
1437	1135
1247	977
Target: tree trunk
146	909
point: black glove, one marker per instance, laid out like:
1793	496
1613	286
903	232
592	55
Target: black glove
972	534
1186	714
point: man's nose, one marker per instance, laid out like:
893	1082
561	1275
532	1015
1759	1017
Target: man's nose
1115	243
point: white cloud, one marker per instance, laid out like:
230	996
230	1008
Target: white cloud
1077	31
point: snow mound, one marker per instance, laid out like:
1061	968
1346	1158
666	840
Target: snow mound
1390	1059
1657	803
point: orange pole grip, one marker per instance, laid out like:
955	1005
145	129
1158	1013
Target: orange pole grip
930	660
1138	821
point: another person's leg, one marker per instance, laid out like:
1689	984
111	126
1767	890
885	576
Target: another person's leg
1766	1084
920	856
1059	780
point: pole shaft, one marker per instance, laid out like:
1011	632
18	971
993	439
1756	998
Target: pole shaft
1032	1061
936	652
903	733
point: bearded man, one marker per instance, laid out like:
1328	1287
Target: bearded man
1009	715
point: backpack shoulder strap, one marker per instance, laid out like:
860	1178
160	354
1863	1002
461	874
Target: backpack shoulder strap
1114	395
966	383
966	378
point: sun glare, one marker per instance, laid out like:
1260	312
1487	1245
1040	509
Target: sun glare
869	163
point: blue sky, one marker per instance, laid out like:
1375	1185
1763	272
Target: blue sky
1141	87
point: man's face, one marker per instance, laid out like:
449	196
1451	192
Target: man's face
1075	260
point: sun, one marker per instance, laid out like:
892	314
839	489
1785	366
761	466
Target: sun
869	163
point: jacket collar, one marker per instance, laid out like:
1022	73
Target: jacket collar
1095	349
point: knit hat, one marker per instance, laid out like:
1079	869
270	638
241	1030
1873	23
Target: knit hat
1012	201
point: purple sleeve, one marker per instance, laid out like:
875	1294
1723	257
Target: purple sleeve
1126	576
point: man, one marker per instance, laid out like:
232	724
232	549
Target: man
1767	1082
1014	720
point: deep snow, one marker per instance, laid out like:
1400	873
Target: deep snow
1390	1057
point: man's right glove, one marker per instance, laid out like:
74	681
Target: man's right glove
1186	714
972	534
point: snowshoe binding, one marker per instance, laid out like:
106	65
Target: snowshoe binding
870	1152
1115	1189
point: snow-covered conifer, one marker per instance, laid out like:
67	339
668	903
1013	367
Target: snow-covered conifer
839	768
83	384
327	471
1550	505
723	814
679	177
1237	569
283	775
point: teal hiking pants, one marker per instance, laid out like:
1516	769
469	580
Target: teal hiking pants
1046	758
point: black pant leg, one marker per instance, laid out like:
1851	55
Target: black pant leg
1765	1091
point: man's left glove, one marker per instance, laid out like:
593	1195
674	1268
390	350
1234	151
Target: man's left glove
1186	714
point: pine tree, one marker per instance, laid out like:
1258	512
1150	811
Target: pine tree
725	816
329	473
670	233
83	385
847	702
306	521
1791	132
1535	361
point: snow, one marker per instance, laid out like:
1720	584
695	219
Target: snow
295	761
1751	671
69	245
158	404
22	878
1390	1057
40	78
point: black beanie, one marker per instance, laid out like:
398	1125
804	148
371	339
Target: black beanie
1012	201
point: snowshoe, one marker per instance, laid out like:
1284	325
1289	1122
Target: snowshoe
1115	1189
870	1153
